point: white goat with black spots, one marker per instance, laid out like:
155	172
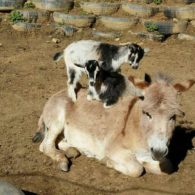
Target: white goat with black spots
81	52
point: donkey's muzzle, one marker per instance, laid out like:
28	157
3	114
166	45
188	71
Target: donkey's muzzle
158	154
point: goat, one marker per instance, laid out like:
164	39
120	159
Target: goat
112	84
82	51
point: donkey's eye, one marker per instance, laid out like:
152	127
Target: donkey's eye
147	114
173	118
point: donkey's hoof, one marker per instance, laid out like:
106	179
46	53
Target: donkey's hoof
63	166
72	153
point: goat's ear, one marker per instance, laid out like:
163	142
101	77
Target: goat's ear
138	83
100	63
184	86
78	65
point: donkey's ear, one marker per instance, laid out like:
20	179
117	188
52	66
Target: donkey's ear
147	78
138	83
184	86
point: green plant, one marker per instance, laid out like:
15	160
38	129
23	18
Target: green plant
151	27
29	4
16	16
157	2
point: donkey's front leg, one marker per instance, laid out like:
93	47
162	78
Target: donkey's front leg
162	167
123	161
48	147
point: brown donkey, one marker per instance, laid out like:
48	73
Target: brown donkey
131	136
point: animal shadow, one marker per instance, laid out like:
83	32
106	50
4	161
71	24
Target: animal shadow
181	142
28	193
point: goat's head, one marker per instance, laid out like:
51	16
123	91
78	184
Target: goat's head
135	54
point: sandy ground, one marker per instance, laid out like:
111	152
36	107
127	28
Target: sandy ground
28	77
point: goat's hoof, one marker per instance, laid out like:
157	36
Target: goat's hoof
89	98
97	98
63	166
72	153
107	106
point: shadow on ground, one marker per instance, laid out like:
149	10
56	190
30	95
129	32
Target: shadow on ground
180	144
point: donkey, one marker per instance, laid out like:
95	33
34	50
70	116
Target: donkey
132	136
81	52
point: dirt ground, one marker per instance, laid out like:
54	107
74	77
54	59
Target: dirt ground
28	77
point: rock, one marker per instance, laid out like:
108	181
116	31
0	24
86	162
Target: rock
149	36
168	27
7	5
8	189
117	39
184	13
111	35
116	23
75	20
186	37
1	44
55	40
34	16
53	5
25	26
100	8
68	30
192	23
139	10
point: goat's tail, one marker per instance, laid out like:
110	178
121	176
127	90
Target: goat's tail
40	134
58	56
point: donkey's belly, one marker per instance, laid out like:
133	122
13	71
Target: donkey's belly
85	143
90	128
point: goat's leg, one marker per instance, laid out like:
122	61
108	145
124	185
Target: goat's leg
70	152
48	148
123	161
73	78
92	93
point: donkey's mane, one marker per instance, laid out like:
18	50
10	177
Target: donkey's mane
161	94
163	78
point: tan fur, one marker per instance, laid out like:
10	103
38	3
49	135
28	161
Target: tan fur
121	136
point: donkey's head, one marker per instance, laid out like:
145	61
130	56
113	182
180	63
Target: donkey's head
159	109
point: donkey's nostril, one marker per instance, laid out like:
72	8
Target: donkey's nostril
166	152
159	154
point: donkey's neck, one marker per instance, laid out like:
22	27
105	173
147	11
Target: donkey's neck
133	130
